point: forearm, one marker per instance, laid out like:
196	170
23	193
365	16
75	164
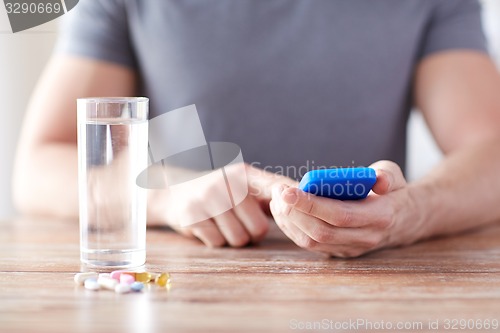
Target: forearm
46	182
462	192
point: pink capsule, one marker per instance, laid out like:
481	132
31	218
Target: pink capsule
127	279
116	275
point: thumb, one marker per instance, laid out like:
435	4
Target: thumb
389	177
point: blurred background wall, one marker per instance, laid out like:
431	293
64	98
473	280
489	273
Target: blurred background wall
23	55
22	58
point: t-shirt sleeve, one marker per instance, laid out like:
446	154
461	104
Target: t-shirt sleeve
454	24
98	29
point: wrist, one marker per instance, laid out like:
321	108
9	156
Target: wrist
156	206
427	209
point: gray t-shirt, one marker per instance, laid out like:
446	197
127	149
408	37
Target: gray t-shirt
298	84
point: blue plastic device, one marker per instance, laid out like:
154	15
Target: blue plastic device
340	184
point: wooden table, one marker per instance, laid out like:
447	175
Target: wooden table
272	287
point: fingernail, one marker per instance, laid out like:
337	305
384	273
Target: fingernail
290	197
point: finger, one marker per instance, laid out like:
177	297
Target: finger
208	233
250	213
302	240
389	177
279	223
185	231
232	229
325	233
345	214
291	230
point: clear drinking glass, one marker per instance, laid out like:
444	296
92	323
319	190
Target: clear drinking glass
112	151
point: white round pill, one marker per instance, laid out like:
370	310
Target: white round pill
122	288
91	284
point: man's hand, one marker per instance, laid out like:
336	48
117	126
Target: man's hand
387	217
191	211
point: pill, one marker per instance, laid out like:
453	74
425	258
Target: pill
144	277
163	279
127	279
122	288
81	277
138	276
137	286
116	275
91	284
104	275
107	282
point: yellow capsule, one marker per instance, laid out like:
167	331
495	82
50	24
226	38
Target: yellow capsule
143	277
154	275
163	279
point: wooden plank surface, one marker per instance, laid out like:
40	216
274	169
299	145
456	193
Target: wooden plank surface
274	287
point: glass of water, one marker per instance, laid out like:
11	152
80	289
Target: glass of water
112	151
